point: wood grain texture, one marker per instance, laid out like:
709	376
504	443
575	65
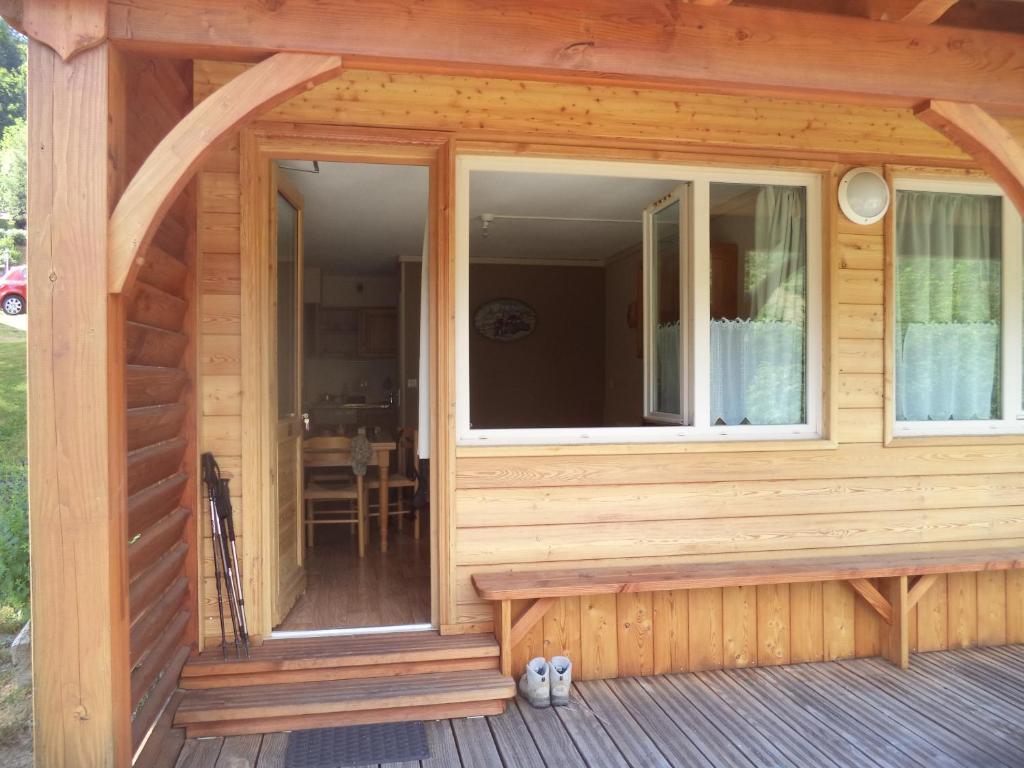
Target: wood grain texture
606	505
705	45
76	409
180	153
993	147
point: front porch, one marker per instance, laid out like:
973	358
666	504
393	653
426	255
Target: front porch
952	708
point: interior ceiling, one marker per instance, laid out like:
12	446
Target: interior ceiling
360	218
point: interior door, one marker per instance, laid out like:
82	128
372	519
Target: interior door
286	342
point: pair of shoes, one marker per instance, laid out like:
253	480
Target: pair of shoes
544	683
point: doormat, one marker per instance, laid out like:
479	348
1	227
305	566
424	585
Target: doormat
357	745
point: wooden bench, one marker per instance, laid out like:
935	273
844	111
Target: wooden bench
906	577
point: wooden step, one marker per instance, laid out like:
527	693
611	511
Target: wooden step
340	658
268	708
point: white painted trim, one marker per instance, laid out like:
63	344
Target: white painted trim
698	179
1012	331
679	197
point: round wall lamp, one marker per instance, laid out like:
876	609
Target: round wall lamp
863	196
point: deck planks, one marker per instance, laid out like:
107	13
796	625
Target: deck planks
950	709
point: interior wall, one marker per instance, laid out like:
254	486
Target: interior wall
624	338
337	376
554	376
412	272
530	509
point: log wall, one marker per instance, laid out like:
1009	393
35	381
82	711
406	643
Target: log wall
159	358
530	508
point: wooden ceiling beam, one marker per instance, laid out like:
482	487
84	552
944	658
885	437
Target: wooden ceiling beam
729	48
67	26
980	135
174	161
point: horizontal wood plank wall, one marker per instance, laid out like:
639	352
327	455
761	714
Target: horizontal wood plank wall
160	319
530	511
220	354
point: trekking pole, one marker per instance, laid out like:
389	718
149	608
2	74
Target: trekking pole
209	478
227	516
229	583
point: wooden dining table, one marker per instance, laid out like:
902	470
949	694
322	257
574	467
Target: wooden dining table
382	460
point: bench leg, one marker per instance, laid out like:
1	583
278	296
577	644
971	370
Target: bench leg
503	633
896	638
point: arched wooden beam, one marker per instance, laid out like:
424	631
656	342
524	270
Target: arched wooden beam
994	149
179	155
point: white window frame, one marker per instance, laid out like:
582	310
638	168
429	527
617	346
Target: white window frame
680	195
699	179
1012	321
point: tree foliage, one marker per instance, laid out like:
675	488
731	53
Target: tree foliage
13	139
13	71
13	171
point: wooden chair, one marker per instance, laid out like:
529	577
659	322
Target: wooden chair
333	453
404	481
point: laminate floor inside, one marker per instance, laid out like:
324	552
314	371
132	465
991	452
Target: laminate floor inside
344	591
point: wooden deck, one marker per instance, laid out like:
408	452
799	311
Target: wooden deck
952	708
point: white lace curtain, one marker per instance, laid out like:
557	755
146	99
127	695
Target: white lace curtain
948	295
667	375
758	363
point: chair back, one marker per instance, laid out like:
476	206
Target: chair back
327	452
406	448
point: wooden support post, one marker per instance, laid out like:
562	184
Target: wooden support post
503	632
76	423
896	637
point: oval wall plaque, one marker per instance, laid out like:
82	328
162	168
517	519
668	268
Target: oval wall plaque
505	320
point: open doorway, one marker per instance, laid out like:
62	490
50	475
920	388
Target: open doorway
351	530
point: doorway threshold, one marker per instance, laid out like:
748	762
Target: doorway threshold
294	634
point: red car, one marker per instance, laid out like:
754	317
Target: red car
13	286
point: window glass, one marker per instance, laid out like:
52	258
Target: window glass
610	302
758	302
666	313
556	301
948	306
287	319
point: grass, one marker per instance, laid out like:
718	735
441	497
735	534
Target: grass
12	395
15	700
13	480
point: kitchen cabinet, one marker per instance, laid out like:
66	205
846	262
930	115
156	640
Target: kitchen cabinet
356	333
378	332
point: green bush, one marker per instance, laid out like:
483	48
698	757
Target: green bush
14	566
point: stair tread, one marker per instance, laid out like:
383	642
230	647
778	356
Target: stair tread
290	699
349	650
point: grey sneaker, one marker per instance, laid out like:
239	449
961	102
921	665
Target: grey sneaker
534	685
560	678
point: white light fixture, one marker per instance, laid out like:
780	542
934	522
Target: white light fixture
863	196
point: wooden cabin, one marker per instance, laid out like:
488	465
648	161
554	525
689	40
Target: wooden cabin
684	336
